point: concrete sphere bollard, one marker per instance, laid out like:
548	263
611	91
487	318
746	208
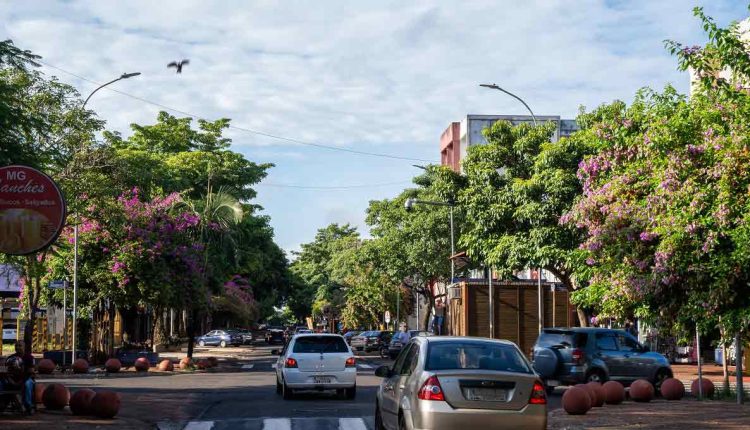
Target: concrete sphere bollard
576	401
80	401
186	363
55	397
142	364
708	387
599	395
113	365
39	392
614	392
587	389
45	366
641	391
203	364
105	404
213	361
166	366
672	389
81	366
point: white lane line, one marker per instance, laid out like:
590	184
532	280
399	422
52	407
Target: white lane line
199	425
364	366
352	424
273	365
247	366
277	424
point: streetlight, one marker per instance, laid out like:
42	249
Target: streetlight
75	227
501	171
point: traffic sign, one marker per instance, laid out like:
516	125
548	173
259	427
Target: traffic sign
387	317
58	285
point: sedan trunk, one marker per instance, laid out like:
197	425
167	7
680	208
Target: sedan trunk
483	389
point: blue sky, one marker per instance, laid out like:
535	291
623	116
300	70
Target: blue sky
379	76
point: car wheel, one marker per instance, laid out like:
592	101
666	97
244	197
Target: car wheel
378	418
286	392
223	344
278	386
351	393
201	343
596	375
401	421
661	375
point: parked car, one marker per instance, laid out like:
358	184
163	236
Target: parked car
9	332
371	340
302	330
246	335
568	356
443	382
222	338
274	335
395	345
349	335
316	362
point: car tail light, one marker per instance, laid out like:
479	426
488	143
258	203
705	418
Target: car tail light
351	362
431	390
290	363
577	356
538	395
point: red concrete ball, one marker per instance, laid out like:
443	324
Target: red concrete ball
641	391
142	364
186	363
80	401
166	366
81	366
708	387
55	397
203	364
598	391
588	390
45	366
672	389
105	404
39	392
614	392
213	361
113	365
576	401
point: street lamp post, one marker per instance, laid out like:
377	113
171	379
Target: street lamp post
75	226
540	315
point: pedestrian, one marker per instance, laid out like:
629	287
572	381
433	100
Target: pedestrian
631	328
403	335
20	376
439	316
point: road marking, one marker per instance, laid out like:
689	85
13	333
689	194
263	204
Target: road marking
247	366
277	424
199	425
364	366
273	365
352	424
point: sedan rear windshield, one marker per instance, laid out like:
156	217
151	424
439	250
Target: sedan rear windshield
562	338
320	344
475	355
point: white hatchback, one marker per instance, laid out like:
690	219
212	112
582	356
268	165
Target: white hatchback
316	362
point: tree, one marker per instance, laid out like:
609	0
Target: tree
516	189
665	203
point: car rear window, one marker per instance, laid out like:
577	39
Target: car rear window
562	337
320	344
475	355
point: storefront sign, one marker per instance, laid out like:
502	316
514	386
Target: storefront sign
32	210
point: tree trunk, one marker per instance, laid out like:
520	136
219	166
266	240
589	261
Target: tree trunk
111	330
570	286
191	332
725	366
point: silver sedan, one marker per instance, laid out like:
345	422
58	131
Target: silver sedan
460	383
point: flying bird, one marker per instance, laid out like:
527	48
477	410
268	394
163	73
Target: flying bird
178	65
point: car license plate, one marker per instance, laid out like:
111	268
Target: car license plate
553	382
321	379
486	394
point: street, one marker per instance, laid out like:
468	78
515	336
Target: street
239	395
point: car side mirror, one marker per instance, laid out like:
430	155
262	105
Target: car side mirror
383	372
275	352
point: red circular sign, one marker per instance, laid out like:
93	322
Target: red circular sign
32	210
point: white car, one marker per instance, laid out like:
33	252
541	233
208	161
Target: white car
316	362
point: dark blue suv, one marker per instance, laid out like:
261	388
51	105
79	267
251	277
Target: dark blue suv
569	356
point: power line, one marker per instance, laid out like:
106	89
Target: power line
333	187
244	129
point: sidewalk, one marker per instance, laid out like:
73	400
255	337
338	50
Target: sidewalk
687	373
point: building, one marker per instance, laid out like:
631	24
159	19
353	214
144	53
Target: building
469	131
